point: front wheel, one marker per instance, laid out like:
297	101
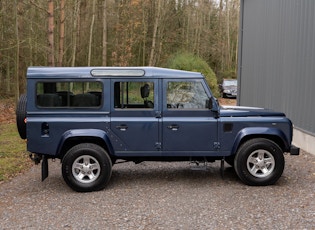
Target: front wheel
86	167
259	162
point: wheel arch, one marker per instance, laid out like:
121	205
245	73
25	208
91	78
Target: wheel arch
273	134
77	136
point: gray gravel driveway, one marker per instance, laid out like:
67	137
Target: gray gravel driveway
154	195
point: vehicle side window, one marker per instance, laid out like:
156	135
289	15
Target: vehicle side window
186	95
134	95
69	94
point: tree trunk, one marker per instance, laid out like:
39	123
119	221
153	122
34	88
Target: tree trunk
198	25
155	31
17	60
104	53
221	35
61	32
51	47
76	31
145	32
91	33
227	51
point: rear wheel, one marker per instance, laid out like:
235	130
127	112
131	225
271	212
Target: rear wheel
21	116
259	162
86	167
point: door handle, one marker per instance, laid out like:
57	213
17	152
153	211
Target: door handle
173	127
122	127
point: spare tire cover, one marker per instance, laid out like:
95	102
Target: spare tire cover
21	116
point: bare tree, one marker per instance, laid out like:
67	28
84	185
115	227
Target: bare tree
17	90
51	47
227	46
155	32
61	32
91	33
75	33
140	32
104	41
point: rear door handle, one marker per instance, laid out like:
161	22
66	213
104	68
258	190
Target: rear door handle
173	127
122	127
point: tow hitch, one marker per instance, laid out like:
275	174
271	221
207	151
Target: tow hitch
35	158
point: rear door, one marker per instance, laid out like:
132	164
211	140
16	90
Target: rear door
135	118
189	128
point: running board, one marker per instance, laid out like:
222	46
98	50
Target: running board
202	166
199	166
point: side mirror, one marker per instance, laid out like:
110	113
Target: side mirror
209	103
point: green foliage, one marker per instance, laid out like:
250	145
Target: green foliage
13	157
227	74
190	62
132	38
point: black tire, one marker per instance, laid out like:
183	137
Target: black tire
21	116
86	167
259	162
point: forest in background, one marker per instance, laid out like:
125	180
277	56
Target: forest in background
114	33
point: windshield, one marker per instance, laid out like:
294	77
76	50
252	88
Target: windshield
230	82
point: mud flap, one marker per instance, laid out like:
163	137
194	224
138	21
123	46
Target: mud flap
44	168
222	168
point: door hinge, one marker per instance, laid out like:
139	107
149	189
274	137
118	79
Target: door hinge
158	114
216	145
158	145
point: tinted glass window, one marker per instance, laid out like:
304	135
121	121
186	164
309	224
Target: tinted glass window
69	94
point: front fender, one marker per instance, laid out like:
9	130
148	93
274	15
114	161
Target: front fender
266	132
85	133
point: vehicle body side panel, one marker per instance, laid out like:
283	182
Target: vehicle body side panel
48	142
233	129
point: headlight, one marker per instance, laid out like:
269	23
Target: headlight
226	91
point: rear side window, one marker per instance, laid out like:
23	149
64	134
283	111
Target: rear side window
69	94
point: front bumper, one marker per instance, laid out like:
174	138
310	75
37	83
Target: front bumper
294	150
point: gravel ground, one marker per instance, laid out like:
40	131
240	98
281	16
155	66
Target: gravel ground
154	195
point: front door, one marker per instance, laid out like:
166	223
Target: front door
135	118
189	127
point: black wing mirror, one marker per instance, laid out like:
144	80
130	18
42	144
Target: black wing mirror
209	103
212	104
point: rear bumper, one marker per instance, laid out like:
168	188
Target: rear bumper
294	150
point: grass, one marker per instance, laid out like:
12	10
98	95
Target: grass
14	158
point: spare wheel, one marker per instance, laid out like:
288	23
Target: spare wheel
21	116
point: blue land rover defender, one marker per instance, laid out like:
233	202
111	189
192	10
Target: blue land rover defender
92	117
